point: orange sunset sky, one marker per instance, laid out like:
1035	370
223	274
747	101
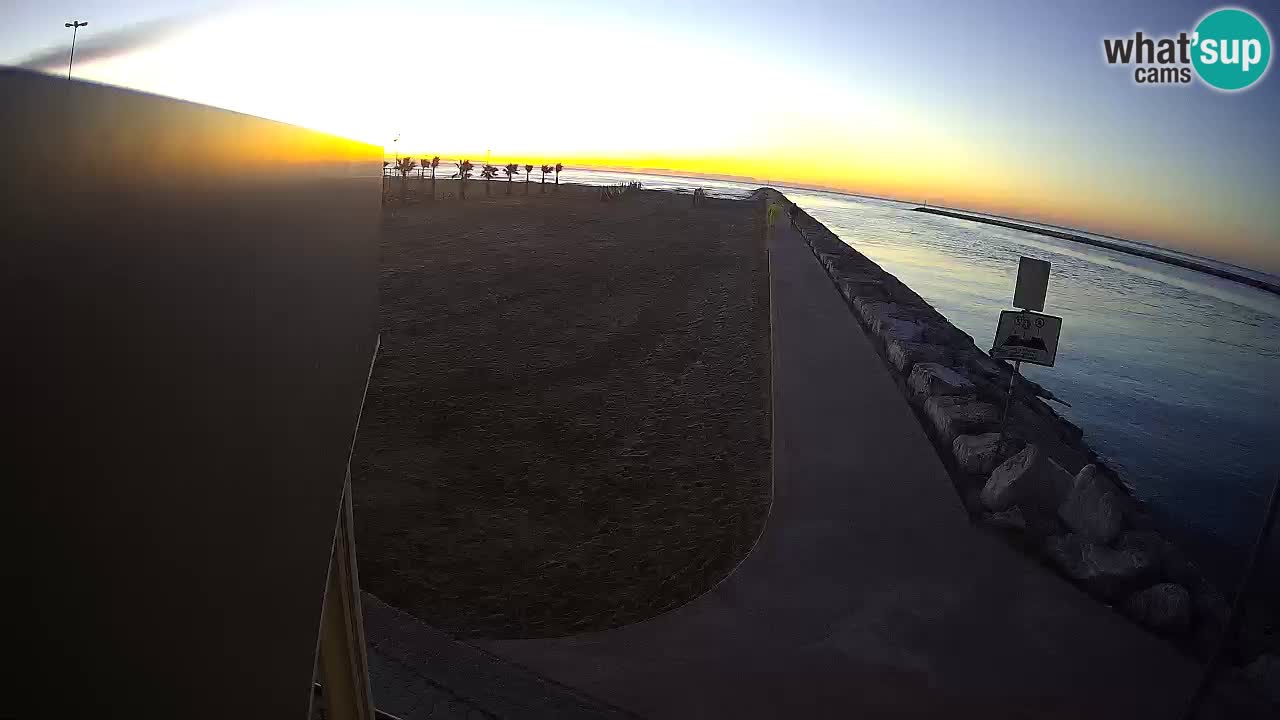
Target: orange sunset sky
999	106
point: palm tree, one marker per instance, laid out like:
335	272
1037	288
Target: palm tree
488	172
511	169
435	163
464	171
559	167
545	169
527	169
404	166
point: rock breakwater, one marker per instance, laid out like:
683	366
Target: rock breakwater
1043	487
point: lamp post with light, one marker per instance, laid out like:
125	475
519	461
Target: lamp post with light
75	26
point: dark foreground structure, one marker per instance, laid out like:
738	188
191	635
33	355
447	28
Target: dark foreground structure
189	300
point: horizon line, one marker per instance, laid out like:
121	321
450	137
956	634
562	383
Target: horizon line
851	193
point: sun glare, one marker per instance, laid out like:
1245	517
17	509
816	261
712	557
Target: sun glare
584	92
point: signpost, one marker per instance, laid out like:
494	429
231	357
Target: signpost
1024	335
1027	337
1033	283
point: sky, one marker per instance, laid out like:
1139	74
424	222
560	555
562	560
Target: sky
1004	107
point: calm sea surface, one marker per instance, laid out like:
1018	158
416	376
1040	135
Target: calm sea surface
1171	373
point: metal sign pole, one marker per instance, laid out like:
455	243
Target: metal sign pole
1026	334
1008	398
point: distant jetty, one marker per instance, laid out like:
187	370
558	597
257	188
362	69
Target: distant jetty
1118	247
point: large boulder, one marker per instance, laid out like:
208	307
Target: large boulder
1030	478
893	328
869	308
1176	566
829	257
992	377
1093	507
904	354
985	365
1042	524
940	332
1038	417
854	264
1105	572
1012	481
1164	608
1211	607
952	415
836	247
836	264
903	294
1147	542
934	379
1011	519
863	286
978	454
1264	673
1111	573
1057	483
859	274
890	321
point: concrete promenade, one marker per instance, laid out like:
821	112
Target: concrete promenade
869	593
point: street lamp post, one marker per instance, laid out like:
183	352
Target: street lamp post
75	26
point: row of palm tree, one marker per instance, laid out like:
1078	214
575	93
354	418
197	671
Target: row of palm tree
405	166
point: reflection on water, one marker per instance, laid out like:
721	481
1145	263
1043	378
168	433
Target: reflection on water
1170	372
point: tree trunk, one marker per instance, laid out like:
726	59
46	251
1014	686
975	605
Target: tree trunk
433	183
543	187
526	183
509	184
462	186
487	192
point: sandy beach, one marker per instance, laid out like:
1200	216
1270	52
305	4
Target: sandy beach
567	428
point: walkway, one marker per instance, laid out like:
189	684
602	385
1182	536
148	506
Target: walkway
869	594
417	672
